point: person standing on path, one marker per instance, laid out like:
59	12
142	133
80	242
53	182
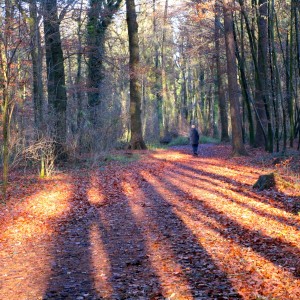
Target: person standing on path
194	139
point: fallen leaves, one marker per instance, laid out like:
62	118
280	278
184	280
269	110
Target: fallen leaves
170	226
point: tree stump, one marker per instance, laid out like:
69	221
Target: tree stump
265	182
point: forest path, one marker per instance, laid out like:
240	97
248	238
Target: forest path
170	226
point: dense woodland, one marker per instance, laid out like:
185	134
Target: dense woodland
84	76
101	195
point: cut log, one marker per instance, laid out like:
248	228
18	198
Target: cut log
265	182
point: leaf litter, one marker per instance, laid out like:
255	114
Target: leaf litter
169	226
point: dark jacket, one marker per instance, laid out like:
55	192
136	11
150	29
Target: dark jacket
194	136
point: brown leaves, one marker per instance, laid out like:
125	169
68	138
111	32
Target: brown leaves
169	226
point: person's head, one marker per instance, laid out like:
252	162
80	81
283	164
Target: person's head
193	126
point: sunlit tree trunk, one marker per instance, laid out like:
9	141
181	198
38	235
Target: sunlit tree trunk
297	30
7	54
290	61
233	89
245	88
164	83
6	110
157	70
220	84
136	141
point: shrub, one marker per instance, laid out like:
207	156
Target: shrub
208	140
181	140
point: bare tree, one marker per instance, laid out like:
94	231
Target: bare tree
57	95
136	141
233	89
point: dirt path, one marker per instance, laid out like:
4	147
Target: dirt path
171	226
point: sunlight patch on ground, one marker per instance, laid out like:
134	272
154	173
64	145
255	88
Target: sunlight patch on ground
250	213
95	194
28	235
40	208
101	264
169	155
17	268
241	264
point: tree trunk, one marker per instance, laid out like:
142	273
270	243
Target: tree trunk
57	95
262	96
164	83
297	26
275	80
283	100
220	87
100	16
158	80
79	81
7	53
136	141
246	92
6	107
236	123
290	88
253	47
37	67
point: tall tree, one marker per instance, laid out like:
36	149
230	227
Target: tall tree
157	67
136	141
57	95
12	44
100	16
262	93
37	66
164	83
233	89
220	84
245	86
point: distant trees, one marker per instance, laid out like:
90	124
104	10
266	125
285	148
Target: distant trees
267	53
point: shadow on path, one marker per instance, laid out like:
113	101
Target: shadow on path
131	273
205	279
128	273
71	265
275	250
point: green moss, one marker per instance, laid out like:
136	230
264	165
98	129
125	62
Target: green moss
208	140
181	140
154	146
123	158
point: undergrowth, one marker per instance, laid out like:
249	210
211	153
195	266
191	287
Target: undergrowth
182	141
122	158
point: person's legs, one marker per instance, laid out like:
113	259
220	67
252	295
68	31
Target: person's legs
195	149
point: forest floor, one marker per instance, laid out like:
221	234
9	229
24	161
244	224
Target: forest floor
166	226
